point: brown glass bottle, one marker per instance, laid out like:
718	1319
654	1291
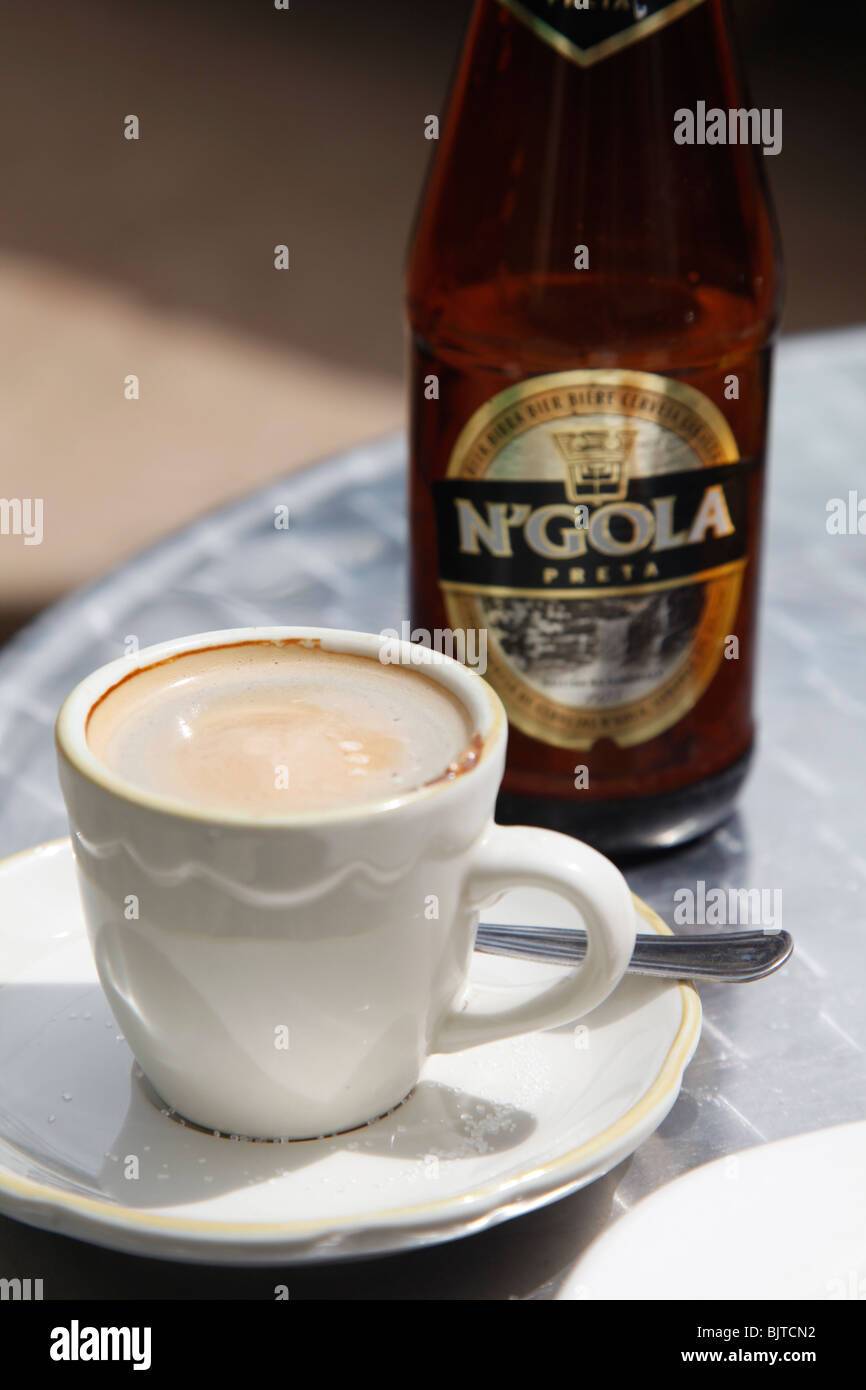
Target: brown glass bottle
622	289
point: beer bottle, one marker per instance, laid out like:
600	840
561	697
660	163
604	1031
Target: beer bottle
593	292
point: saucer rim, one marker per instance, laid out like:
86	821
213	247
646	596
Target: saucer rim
93	1217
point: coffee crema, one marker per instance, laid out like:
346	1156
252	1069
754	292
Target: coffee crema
272	729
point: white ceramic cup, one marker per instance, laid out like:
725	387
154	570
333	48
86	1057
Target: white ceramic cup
287	977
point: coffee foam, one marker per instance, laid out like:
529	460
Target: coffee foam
273	730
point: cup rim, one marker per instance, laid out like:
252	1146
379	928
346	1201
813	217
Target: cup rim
485	709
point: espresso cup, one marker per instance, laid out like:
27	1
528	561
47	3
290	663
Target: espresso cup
287	977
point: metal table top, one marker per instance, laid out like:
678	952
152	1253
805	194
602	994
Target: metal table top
776	1058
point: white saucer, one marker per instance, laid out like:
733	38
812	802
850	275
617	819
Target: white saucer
487	1134
783	1221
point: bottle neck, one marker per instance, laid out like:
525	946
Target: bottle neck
540	156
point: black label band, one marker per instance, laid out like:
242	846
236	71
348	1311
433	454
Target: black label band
522	537
592	31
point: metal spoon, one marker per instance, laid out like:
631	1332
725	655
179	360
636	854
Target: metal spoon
730	956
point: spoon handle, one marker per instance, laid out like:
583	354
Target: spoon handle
731	956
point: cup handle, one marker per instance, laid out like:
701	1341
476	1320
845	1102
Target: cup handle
524	857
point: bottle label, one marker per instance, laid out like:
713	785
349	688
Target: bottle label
594	523
588	32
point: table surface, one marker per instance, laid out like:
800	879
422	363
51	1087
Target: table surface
777	1058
